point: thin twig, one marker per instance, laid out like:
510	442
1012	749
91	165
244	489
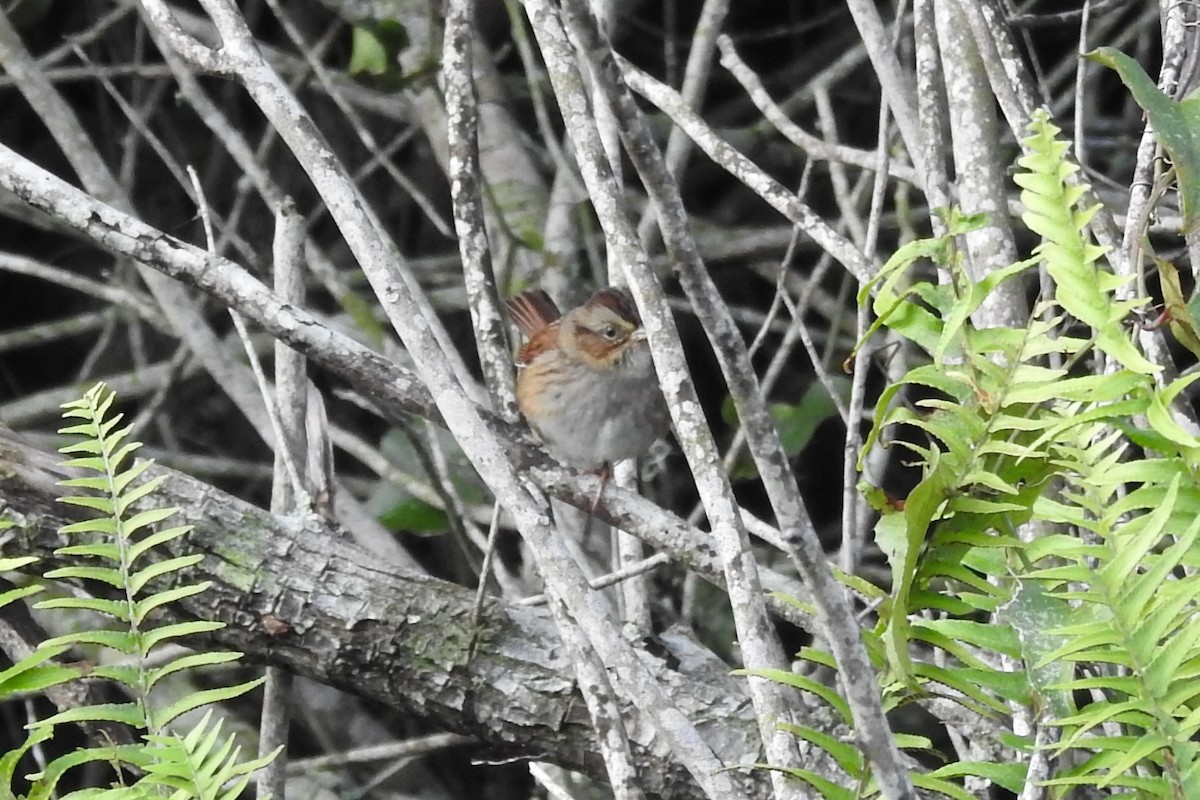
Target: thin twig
850	217
44	333
898	88
416	746
734	162
462	115
852	534
613	578
126	298
273	415
1081	84
356	122
289	493
695	82
815	147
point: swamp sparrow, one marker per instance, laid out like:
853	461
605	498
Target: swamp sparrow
585	381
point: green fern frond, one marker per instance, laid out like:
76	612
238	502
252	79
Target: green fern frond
1009	432
122	543
203	764
1133	610
1007	438
1051	203
121	548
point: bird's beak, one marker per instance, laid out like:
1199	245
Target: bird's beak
638	335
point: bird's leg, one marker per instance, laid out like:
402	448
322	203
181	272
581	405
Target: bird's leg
604	473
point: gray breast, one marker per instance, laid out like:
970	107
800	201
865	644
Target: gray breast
619	421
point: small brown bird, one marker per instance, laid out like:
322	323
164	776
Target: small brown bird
586	383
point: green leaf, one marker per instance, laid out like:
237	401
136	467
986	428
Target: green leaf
190	661
1007	776
123	479
136	549
137	493
787	678
125	674
127	713
173	595
14	563
848	757
1012	687
413	515
902	544
796	422
1177	125
971	301
38	679
123	641
177	630
363	315
144	519
9	760
1163	422
936	784
102	504
891	304
111	577
973	694
1181	319
827	788
139	579
1153	582
19	592
46	782
997	638
105	525
38	657
194	700
1033	614
1091	389
107	551
117	609
1163	670
375	48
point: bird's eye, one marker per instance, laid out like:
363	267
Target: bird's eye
610	332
